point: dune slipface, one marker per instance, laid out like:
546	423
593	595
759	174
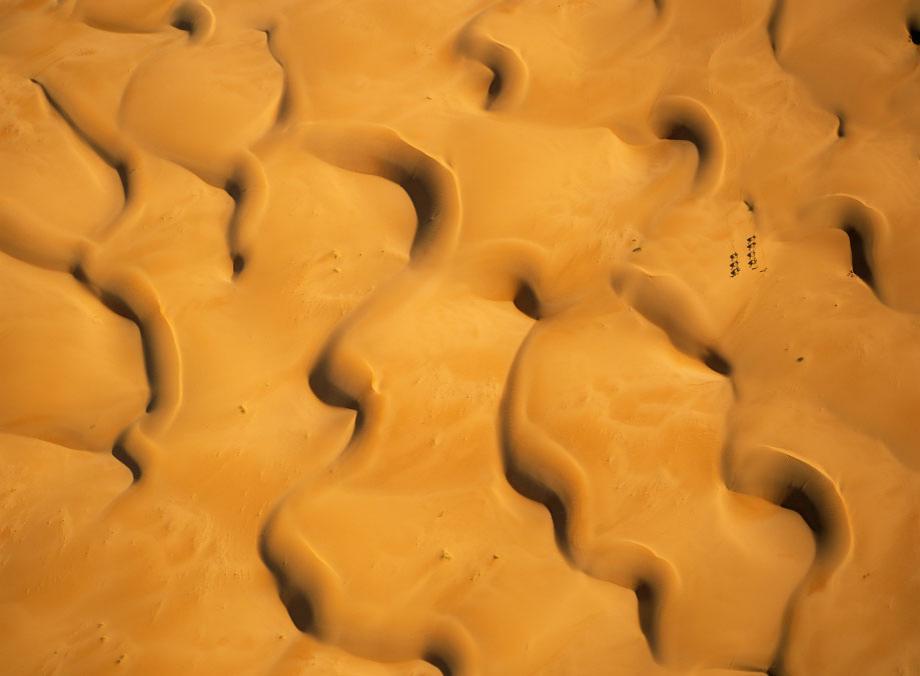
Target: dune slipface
464	338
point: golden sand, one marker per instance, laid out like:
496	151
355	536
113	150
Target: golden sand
391	337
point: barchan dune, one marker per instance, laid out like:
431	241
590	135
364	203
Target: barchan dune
460	337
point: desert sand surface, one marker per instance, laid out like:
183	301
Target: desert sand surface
460	338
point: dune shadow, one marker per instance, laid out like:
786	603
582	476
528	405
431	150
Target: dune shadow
773	24
295	601
859	254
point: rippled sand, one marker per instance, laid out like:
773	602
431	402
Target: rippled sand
378	337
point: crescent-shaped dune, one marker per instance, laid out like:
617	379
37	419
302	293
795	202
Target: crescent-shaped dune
460	337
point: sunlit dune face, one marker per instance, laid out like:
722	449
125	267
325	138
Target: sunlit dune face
475	339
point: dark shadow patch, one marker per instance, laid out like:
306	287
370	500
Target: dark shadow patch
509	72
526	301
687	131
793	484
234	189
184	24
797	500
859	255
841	125
534	490
495	86
119	166
298	605
439	662
284	103
812	497
327	391
187	18
429	186
716	362
420	184
239	264
237	192
420	189
749	204
649	602
688	121
118	305
773	24
121	454
79	274
913	30
124	176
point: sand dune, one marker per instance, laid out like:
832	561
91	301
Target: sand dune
464	338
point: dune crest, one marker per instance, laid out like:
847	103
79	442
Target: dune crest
470	338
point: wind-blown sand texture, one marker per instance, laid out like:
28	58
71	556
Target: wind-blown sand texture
384	337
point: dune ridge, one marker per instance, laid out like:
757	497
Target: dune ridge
460	338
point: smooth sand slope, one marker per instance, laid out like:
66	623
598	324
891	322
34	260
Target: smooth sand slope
448	338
